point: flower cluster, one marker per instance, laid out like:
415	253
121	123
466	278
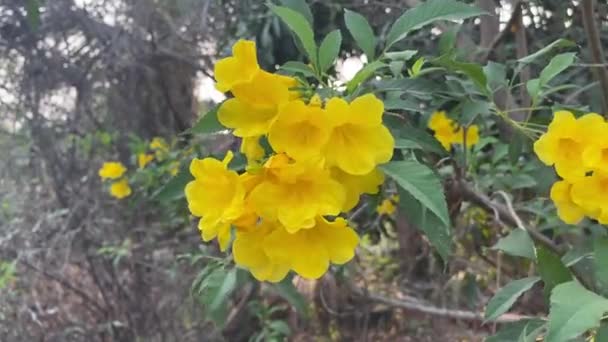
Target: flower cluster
115	171
578	148
449	133
318	160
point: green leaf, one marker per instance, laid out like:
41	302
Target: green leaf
600	261
557	64
447	41
407	144
301	7
427	141
560	43
301	27
435	230
426	13
288	291
496	74
471	109
208	123
329	50
298	68
512	331
417	67
517	243
280	327
362	32
420	88
363	75
174	189
573	256
506	297
533	87
404	55
529	334
574	310
223	290
551	269
471	70
421	183
602	333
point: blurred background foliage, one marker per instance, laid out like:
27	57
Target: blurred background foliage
86	81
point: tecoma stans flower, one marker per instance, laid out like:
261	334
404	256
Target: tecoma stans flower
567	210
120	189
356	185
241	67
358	140
449	133
112	170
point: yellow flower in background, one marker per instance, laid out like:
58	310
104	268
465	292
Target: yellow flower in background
112	170
297	193
300	130
160	147
217	195
386	207
248	250
567	210
144	159
309	252
356	186
251	148
563	145
239	68
120	189
174	168
449	133
358	140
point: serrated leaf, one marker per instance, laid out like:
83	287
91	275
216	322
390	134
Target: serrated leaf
506	297
301	7
174	189
511	331
600	261
426	13
421	183
294	67
557	64
288	291
574	310
517	243
435	230
208	123
329	50
363	74
560	43
362	32
301	27
551	269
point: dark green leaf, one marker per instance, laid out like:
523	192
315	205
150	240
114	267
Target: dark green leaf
602	333
511	331
329	50
447	41
574	310
363	75
404	55
289	292
427	141
473	71
557	64
362	32
560	43
223	290
506	297
600	251
575	255
208	123
407	144
517	243
301	7
471	109
298	68
174	188
280	327
551	269
301	27
426	13
421	183
435	230
496	74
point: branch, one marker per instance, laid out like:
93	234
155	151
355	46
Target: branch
506	30
595	47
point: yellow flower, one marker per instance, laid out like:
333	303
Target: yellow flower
251	148
144	159
591	194
301	131
294	193
595	153
239	68
217	195
174	168
355	185
387	207
563	145
248	250
358	140
160	148
448	132
120	189
395	198
112	170
310	251
567	210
